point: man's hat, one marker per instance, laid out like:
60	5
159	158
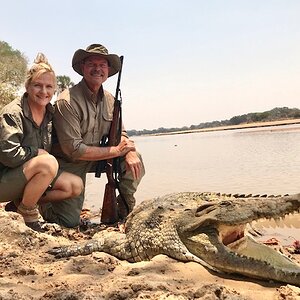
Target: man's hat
114	61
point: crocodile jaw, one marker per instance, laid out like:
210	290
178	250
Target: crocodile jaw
248	247
242	255
234	238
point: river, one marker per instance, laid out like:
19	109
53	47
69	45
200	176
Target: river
257	161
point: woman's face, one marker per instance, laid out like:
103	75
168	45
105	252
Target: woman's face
41	89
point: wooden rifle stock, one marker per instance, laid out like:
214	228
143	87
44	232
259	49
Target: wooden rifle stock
109	214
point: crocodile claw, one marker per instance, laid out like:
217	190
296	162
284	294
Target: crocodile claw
58	252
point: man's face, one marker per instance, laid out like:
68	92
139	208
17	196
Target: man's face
95	70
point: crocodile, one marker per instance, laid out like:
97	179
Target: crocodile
208	228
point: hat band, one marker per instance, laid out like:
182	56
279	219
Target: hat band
101	49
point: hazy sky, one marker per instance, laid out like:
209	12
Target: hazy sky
185	62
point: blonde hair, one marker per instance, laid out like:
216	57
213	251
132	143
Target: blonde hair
39	67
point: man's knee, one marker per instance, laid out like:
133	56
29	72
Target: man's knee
77	186
71	184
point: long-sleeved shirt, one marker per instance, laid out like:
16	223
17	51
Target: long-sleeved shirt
20	136
81	119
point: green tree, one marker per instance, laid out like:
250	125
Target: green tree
13	65
238	120
63	82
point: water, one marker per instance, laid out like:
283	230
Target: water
257	161
237	161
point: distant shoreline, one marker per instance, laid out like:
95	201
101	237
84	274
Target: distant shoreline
232	127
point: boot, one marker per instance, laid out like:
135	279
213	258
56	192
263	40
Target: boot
31	217
11	206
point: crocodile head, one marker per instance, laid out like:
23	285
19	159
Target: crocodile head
215	231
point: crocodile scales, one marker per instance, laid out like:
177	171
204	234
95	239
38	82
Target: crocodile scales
208	228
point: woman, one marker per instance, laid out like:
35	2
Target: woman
28	173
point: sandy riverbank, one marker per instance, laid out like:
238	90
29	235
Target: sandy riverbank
28	272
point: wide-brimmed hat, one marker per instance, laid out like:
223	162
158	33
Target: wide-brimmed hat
96	49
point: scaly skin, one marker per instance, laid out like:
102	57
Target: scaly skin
207	228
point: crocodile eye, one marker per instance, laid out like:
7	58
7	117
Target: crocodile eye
225	203
204	206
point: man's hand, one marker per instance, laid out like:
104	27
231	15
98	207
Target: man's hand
134	164
125	146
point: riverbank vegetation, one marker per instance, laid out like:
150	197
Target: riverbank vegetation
13	66
275	114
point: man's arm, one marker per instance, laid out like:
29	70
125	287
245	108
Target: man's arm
93	153
67	127
68	130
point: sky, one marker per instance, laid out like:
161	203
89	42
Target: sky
185	62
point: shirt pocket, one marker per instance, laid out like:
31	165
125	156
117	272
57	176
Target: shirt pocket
107	110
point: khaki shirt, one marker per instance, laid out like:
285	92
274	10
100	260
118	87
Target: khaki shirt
81	119
20	136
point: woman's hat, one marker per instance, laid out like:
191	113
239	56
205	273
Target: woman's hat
114	61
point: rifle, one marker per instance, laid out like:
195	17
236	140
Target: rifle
109	214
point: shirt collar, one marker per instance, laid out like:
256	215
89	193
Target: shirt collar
90	95
27	111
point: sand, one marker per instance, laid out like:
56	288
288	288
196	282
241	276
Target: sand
27	271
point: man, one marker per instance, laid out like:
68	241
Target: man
82	117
